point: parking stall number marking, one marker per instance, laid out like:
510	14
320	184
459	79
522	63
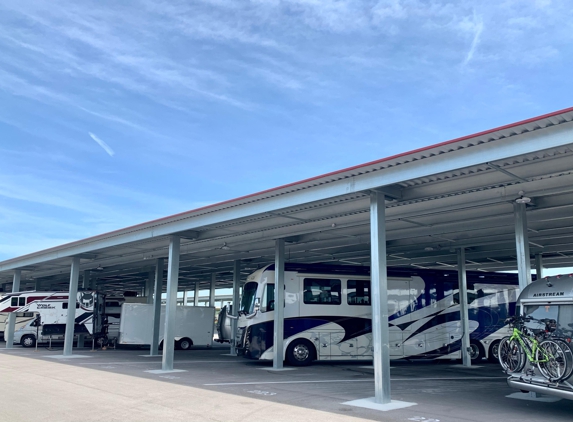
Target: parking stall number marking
262	393
423	419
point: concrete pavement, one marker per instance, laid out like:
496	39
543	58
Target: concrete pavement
37	390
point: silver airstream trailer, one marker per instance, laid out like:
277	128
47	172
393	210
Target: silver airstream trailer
547	298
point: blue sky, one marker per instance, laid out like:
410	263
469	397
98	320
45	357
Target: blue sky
115	113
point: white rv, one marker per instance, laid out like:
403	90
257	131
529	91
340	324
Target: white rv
328	314
193	325
22	318
50	312
550	298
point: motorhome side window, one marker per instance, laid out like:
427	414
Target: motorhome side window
21	301
14	301
358	292
65	305
319	291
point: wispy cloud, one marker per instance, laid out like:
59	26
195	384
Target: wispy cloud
102	144
478	28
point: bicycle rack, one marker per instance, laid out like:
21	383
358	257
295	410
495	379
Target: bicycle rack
540	385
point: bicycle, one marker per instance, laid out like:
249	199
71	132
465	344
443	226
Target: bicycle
550	357
560	336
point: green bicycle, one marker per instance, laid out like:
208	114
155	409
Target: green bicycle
550	357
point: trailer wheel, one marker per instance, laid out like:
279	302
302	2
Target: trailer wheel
184	344
300	352
476	351
493	355
28	341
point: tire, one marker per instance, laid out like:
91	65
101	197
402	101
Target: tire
300	352
184	344
28	341
568	356
477	351
551	360
493	355
511	355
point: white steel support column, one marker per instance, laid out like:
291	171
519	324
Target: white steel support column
212	290
86	280
154	349
380	331
72	298
185	293
11	321
464	316
522	245
279	326
539	266
196	294
171	305
236	298
149	285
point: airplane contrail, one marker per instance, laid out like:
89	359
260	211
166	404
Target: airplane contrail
102	144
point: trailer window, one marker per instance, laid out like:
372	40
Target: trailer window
65	305
358	292
21	301
319	291
14	301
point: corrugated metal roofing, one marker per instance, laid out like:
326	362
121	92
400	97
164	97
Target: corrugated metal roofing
464	181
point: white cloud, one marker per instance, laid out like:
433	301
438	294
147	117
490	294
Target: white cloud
478	28
102	144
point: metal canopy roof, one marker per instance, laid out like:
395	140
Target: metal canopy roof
450	195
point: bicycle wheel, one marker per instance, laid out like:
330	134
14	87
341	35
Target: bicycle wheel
551	360
511	355
568	355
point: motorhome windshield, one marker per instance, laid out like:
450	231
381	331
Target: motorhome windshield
249	293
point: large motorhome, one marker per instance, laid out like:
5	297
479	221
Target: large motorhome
49	312
328	314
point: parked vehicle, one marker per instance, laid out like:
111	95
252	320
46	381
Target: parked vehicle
328	314
22	318
546	311
50	312
193	325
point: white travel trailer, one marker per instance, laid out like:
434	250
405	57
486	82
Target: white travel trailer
193	325
550	298
328	314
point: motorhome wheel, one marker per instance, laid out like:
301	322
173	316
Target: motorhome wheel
493	356
300	352
28	341
476	351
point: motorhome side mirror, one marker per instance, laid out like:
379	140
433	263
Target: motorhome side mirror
257	304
